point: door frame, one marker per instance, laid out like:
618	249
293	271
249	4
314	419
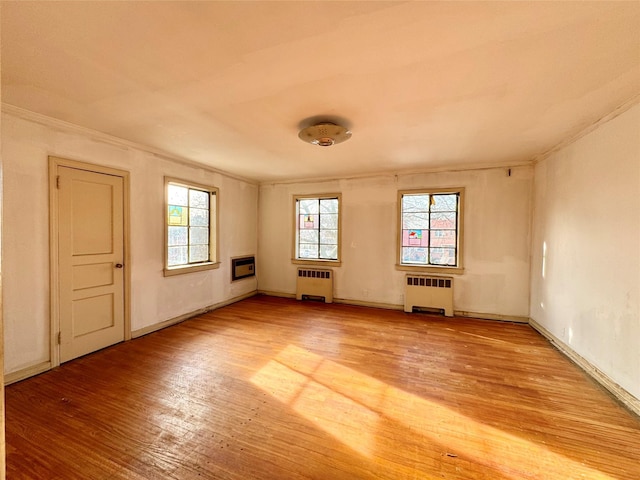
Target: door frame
54	279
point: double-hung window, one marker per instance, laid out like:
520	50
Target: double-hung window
317	228
190	227
430	229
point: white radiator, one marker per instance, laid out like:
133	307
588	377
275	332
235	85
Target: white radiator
429	292
314	283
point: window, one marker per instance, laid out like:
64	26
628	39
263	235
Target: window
317	232
431	229
190	227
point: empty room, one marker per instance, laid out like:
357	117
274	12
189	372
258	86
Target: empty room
320	240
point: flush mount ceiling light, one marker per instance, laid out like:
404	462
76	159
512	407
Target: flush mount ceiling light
324	134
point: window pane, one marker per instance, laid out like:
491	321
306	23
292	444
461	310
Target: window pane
198	253
308	206
178	195
177	256
309	222
329	252
177	236
443	256
308	250
317	228
415	238
415	220
415	203
308	236
429	234
443	238
329	220
329	237
199	235
178	215
329	205
198	199
189	231
198	217
442	221
414	255
444	203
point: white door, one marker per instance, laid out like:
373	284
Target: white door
91	258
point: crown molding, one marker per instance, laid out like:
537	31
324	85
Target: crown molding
616	112
402	173
113	140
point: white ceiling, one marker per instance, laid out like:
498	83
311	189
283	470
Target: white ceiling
422	85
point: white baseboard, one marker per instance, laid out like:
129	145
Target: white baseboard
360	303
25	373
344	301
628	400
181	318
394	306
491	316
270	293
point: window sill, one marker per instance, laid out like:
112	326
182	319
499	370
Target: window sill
317	263
430	269
200	267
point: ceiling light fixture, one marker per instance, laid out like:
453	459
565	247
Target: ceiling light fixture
324	134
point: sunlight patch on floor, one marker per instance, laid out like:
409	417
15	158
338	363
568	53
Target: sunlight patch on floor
350	406
350	422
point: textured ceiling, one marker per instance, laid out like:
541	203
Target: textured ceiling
422	85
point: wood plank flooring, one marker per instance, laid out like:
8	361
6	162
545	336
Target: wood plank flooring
272	388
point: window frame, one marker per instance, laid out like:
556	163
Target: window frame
294	245
459	268
214	247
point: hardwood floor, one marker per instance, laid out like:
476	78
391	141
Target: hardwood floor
272	388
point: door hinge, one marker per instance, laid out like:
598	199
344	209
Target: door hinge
59	338
58	182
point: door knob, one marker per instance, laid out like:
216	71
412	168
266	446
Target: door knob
119	265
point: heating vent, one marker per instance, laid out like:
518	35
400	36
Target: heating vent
242	267
315	284
429	292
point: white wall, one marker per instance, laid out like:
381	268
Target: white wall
26	146
496	238
585	283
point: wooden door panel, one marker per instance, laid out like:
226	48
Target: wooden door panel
92	275
92	228
91	244
92	314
